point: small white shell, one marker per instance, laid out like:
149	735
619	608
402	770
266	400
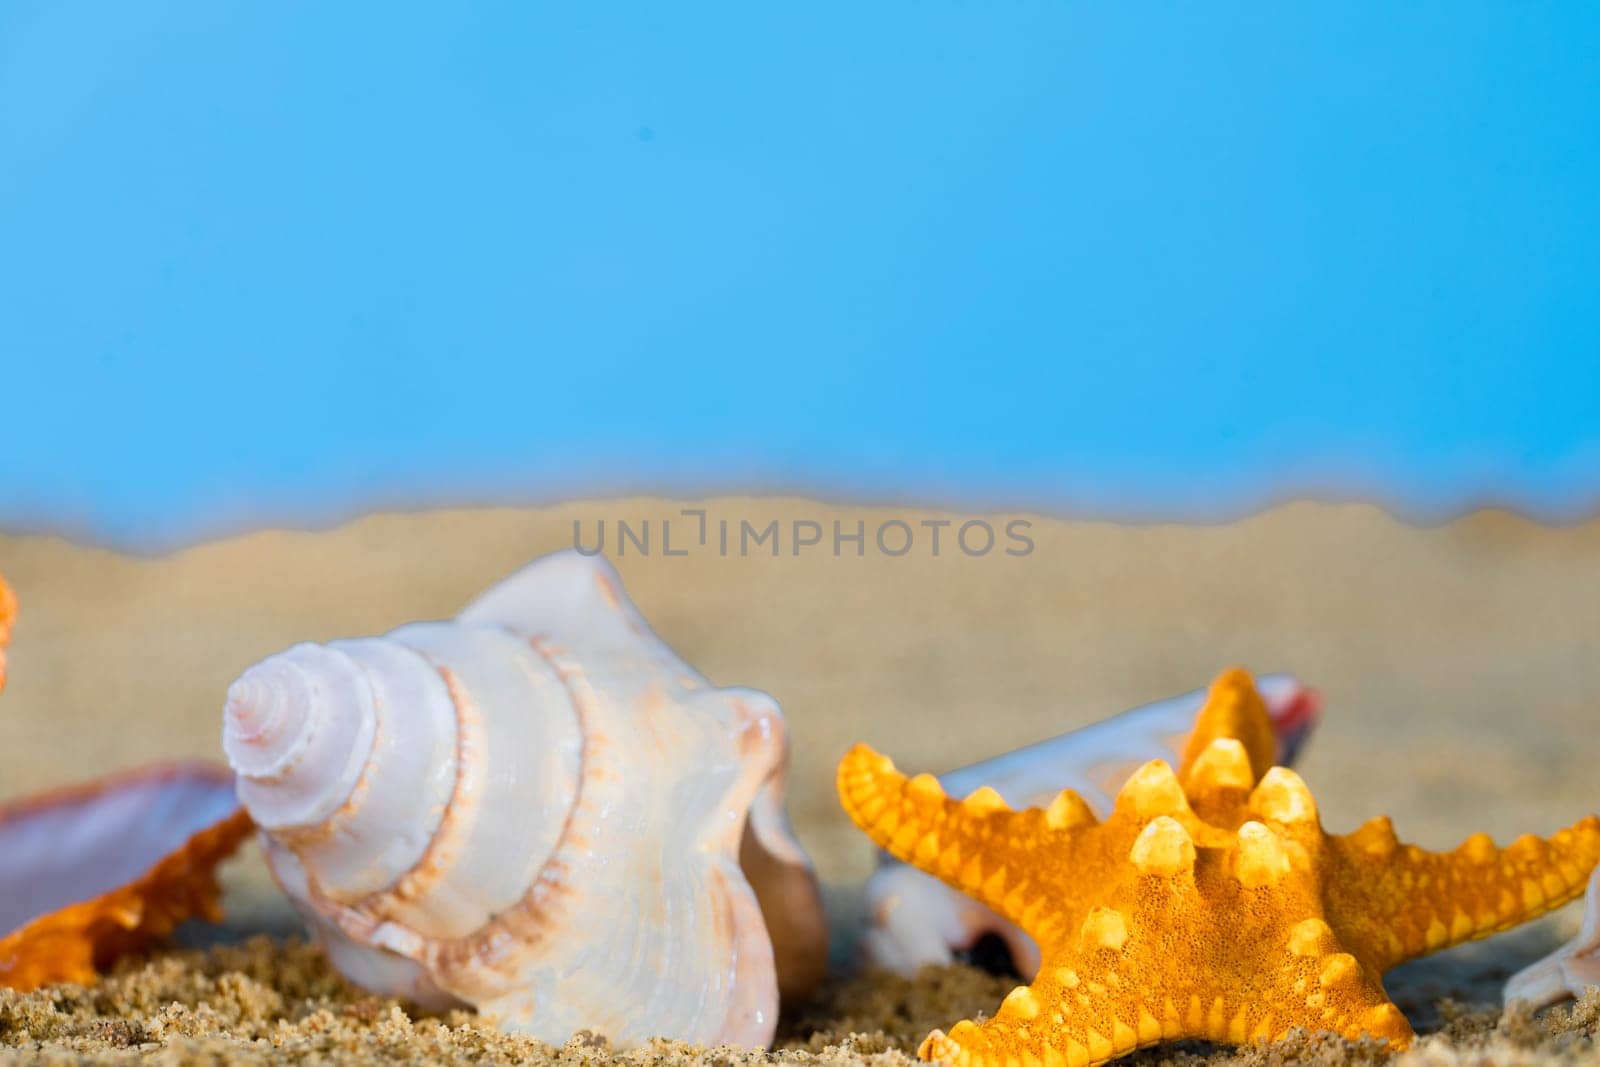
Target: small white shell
537	809
1571	969
913	919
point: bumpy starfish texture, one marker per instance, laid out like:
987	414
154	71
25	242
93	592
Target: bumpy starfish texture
1210	904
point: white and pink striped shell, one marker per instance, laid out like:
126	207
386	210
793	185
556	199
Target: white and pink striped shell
1569	971
913	919
537	809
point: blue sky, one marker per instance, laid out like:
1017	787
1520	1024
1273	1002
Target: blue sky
287	261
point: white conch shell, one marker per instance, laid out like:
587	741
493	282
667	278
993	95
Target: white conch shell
1570	969
537	809
913	919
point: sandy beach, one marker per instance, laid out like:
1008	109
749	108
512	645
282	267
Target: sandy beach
1458	664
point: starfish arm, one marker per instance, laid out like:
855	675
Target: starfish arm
1394	902
1094	1005
1080	1011
1319	985
978	845
1235	711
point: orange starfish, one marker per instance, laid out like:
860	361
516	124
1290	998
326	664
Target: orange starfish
1210	903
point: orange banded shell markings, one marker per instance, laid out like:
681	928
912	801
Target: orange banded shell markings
541	809
97	870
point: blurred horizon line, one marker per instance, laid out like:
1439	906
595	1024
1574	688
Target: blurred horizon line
329	514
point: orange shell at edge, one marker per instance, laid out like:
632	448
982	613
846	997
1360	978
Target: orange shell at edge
77	942
8	615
